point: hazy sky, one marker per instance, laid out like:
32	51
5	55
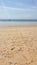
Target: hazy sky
18	9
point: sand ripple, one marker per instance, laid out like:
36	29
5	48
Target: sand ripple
18	46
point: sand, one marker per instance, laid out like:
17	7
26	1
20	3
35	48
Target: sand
18	45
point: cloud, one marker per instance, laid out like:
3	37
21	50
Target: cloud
19	9
14	11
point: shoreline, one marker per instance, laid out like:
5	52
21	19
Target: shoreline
18	24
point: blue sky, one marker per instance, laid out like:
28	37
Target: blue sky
18	9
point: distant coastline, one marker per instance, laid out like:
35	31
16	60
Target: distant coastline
18	19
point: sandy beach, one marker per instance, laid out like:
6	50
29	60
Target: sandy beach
18	45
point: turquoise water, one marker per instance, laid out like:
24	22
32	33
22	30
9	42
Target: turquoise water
18	23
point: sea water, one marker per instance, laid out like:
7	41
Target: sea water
18	23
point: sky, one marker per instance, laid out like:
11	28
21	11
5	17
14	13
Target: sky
18	9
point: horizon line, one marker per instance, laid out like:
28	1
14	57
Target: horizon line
18	19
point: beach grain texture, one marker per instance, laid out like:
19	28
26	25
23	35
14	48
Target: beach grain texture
18	45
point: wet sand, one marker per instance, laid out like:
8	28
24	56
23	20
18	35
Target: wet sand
18	45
